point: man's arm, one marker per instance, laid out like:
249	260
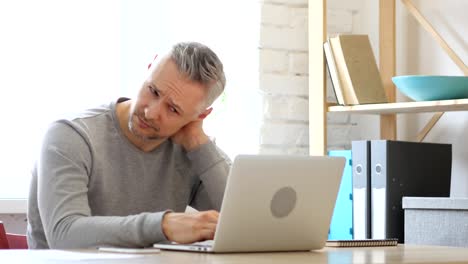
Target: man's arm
63	168
212	166
209	163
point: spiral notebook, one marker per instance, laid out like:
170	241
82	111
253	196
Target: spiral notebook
363	243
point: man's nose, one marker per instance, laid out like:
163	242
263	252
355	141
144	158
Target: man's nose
153	111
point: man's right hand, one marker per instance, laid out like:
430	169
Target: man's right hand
187	228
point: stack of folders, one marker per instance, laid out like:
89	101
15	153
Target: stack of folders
383	172
353	70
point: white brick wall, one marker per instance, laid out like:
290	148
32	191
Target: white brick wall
279	134
299	63
283	38
284	77
274	61
290	3
285	84
275	14
279	107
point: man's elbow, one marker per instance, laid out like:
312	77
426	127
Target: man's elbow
63	235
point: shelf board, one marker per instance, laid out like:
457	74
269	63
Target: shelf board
403	107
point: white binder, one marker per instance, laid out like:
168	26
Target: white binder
361	189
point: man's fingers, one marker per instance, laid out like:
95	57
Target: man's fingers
207	226
209	216
210	226
208	232
190	227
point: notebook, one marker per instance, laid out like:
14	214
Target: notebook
274	203
363	242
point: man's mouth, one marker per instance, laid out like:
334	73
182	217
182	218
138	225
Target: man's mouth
143	124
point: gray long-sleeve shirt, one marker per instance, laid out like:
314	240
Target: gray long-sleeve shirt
92	187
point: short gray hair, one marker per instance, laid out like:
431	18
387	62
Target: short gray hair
200	64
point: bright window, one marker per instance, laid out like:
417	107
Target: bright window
62	56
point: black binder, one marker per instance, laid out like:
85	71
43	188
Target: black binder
398	169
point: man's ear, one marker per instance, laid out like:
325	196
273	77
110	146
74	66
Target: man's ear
205	113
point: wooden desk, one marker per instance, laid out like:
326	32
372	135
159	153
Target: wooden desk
399	254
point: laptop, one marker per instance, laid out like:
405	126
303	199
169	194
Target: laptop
274	203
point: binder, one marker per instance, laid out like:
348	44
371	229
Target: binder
361	155
341	226
400	169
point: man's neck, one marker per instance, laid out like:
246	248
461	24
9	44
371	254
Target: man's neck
123	115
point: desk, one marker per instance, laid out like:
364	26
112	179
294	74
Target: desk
398	254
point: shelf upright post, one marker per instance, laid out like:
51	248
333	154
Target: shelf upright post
387	64
317	12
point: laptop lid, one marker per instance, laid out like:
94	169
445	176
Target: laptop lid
276	203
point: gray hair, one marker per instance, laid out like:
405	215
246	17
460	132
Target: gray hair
200	64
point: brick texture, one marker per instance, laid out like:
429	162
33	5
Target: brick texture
283	77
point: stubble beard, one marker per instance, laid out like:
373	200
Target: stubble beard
135	132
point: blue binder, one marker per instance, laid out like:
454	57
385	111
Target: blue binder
341	226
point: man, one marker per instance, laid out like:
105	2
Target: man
123	174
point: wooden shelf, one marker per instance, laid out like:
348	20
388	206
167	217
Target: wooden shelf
403	107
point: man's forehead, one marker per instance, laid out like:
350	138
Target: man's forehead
165	67
159	64
186	103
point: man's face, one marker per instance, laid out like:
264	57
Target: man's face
165	103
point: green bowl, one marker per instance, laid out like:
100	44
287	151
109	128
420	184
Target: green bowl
430	87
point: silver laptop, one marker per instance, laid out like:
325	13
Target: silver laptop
274	203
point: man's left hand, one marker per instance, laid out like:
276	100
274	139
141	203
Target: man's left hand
191	135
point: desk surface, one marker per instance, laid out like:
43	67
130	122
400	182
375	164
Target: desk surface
398	254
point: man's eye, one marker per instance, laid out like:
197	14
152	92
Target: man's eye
173	109
154	91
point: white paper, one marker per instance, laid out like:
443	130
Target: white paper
80	256
130	250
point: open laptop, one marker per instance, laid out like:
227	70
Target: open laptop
274	203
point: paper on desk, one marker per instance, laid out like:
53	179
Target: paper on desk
130	250
79	256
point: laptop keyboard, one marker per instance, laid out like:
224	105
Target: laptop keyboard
206	243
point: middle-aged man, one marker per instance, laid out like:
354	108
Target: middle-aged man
122	174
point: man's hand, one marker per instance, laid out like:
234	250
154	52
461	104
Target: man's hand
191	135
187	228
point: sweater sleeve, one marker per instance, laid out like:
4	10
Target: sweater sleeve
63	176
212	166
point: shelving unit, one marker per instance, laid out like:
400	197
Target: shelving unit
404	107
318	107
